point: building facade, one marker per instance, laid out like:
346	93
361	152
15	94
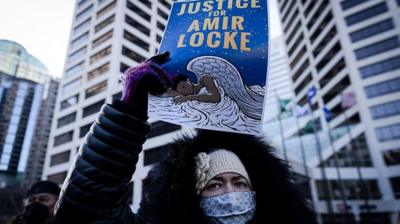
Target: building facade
107	37
349	51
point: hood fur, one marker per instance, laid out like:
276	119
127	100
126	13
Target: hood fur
170	196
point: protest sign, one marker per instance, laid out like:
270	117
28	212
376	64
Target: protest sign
221	46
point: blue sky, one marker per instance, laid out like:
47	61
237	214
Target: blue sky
43	27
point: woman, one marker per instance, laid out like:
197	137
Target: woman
212	177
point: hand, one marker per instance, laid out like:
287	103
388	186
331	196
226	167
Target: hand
147	77
180	99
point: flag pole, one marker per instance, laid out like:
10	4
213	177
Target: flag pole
303	155
325	184
335	161
357	160
281	128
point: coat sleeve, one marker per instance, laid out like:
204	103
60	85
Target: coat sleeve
95	190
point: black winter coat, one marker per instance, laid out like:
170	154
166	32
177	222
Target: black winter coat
96	187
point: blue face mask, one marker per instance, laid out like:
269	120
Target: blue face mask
230	208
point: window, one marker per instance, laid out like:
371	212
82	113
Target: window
338	67
104	23
67	119
138	11
158	38
135	24
132	55
286	14
392	157
63	138
162	14
395	182
123	67
294	32
96	89
377	48
160	26
303	83
382	88
310	7
101	54
71	85
336	89
147	3
380	67
317	14
117	96
296	44
356	154
84	12
298	57
91	109
81	3
82	26
385	110
60	158
84	130
351	3
388	133
371	30
103	38
291	20
80	40
328	57
75	69
165	3
324	42
328	18
98	71
58	178
366	13
355	189
161	127
155	155
106	9
136	40
77	54
300	71
73	100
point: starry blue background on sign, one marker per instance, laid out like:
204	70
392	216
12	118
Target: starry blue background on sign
251	64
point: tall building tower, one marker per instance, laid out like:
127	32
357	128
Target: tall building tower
350	52
107	36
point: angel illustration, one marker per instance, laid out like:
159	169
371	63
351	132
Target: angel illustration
214	72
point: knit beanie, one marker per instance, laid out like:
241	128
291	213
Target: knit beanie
44	186
219	161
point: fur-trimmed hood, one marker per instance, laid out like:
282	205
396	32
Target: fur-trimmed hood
170	196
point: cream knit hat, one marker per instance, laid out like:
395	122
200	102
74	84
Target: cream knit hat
215	163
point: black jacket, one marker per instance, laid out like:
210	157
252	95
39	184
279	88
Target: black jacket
96	186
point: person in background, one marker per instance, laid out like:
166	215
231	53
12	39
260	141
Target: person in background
208	178
39	204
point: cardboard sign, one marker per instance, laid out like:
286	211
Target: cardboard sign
221	46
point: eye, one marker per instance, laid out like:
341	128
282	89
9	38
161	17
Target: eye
213	186
241	184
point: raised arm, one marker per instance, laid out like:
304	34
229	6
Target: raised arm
96	186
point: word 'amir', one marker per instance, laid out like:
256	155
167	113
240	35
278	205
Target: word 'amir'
228	40
208	6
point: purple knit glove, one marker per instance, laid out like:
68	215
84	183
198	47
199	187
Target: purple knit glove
147	77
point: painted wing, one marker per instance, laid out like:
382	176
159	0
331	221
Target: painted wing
228	77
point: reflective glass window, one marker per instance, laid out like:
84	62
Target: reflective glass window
73	100
366	13
377	48
388	133
67	119
382	88
385	110
351	3
93	108
378	68
371	30
63	138
96	89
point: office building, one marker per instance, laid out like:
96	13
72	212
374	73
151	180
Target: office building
349	51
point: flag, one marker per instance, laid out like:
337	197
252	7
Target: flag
311	93
308	128
348	99
300	111
283	105
328	114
